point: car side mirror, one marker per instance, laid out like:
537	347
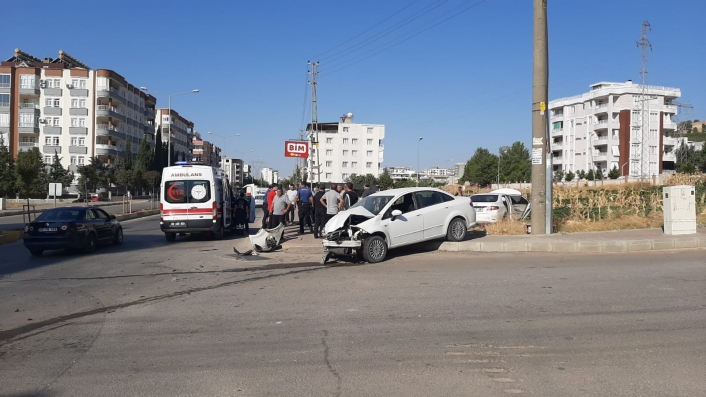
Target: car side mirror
395	214
113	217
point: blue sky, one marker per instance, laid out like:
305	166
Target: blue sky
462	84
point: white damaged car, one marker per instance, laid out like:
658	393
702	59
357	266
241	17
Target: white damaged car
394	218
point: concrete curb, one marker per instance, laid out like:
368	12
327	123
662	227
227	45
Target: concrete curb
39	211
563	246
10	236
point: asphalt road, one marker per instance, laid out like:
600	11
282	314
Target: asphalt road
15	222
191	319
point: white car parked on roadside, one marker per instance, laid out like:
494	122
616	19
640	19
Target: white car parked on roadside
394	218
500	204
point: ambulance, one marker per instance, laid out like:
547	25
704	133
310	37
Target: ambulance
195	199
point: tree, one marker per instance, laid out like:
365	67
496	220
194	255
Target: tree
686	159
590	175
7	170
58	174
152	179
94	175
569	176
159	159
128	155
356	179
614	173
31	174
384	181
481	168
370	179
581	174
145	157
559	175
515	163
599	174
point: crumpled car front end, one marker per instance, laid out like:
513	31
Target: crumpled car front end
344	233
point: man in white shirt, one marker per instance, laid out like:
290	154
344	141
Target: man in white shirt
331	201
292	197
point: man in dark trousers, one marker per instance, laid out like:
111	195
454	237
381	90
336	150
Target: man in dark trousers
305	202
265	208
319	212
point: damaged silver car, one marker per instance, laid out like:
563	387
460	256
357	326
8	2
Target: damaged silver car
394	218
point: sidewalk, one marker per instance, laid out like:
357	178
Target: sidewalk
614	241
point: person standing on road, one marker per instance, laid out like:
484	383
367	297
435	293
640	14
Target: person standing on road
319	212
331	200
349	198
305	201
367	191
266	208
268	202
292	196
279	207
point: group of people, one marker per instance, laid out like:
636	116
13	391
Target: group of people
314	208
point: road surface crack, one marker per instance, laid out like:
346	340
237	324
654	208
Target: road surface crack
329	366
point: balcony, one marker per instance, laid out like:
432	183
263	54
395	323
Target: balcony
52	111
669	156
600	125
670	109
109	111
29	108
601	140
558	145
150	112
602	108
5	87
78	149
108	150
51	149
669	125
52	130
558	117
78	111
78	131
558	132
104	92
27	146
600	156
29	89
108	130
53	92
28	128
81	92
557	160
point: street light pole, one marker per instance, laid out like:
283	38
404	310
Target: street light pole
169	138
418	144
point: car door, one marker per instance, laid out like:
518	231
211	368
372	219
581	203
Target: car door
433	210
106	224
406	228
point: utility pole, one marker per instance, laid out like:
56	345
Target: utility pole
540	95
314	127
644	121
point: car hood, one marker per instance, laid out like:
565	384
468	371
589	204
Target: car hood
356	215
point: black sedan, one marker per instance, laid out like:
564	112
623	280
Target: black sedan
72	228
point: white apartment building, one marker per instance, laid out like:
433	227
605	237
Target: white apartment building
234	169
182	133
61	106
602	129
269	175
345	148
400	173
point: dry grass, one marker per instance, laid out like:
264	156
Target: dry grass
504	227
627	222
685	179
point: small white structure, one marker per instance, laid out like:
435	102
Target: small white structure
679	206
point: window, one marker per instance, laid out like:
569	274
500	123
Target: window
329	140
635	116
4	121
404	204
653	168
354	164
55	121
74	141
653	117
78	83
369	141
344	164
187	191
344	176
81	160
4	81
369	164
47	159
74	122
329	152
354	153
345	141
369	153
354	141
81	122
328	175
165	119
51	141
78	103
27	81
653	133
653	149
345	152
4	100
73	160
329	164
82	141
48	102
572	109
346	129
428	198
370	130
57	102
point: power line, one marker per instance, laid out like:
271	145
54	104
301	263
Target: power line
366	31
424	11
406	39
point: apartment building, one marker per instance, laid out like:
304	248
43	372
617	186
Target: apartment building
602	129
269	175
182	133
61	106
345	148
247	172
234	169
205	152
400	173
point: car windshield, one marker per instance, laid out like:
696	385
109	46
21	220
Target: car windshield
61	214
374	204
484	198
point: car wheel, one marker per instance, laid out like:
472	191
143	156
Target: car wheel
36	252
89	245
457	230
218	235
171	237
374	249
118	237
